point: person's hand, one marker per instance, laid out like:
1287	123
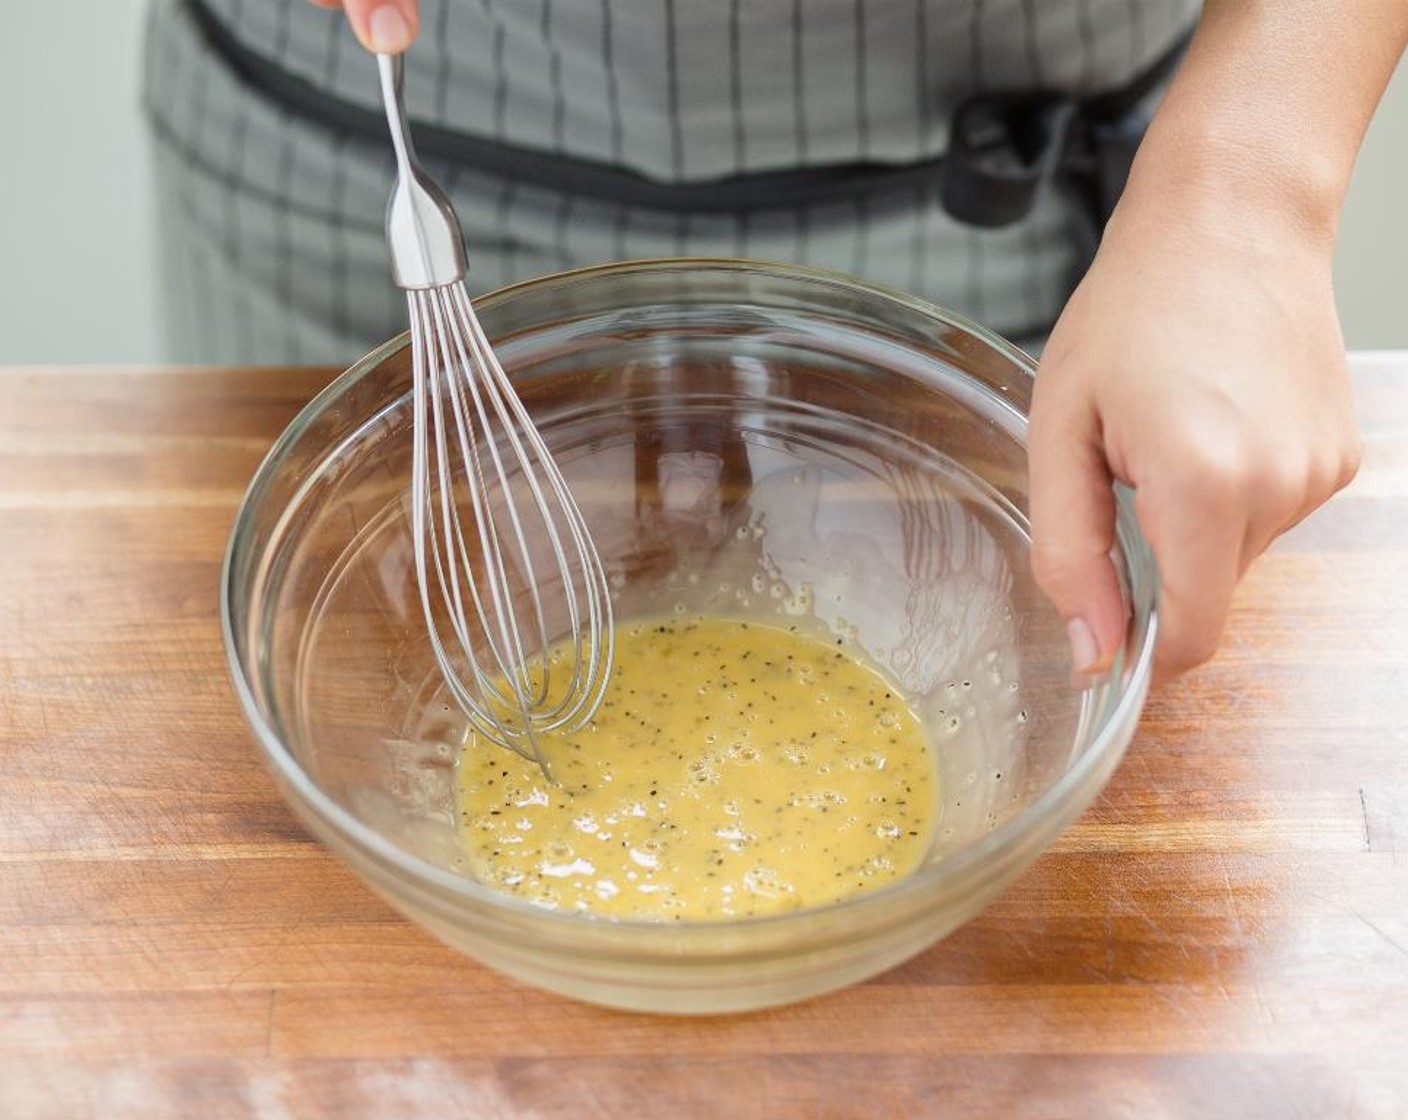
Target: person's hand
1200	362
382	26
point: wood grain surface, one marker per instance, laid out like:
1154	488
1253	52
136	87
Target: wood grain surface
1225	933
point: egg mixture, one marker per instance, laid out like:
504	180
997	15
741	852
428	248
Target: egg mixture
734	770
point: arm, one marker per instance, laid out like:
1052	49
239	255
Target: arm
1200	361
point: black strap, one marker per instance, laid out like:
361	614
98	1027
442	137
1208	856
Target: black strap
987	170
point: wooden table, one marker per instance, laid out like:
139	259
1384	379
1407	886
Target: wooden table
1225	933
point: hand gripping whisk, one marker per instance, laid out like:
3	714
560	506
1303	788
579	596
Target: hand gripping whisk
503	557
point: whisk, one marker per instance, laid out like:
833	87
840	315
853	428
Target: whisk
503	557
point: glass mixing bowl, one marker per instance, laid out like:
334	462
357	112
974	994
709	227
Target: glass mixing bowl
757	441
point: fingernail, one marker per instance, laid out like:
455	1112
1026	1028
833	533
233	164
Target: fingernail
1085	654
388	30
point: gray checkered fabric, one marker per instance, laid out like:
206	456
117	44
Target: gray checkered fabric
271	223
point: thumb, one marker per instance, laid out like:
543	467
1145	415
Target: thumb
1073	526
384	26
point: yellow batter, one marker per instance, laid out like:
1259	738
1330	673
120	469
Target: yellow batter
733	770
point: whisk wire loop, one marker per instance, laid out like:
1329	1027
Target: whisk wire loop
480	389
479	451
502	640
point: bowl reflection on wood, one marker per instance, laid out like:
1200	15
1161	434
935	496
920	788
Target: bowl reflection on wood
755	441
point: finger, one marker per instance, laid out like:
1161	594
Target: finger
384	26
1073	529
1306	489
1196	529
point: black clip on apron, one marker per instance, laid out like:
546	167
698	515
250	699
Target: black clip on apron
1003	148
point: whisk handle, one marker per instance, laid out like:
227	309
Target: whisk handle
427	246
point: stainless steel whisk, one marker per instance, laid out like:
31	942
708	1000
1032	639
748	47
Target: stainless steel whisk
494	591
